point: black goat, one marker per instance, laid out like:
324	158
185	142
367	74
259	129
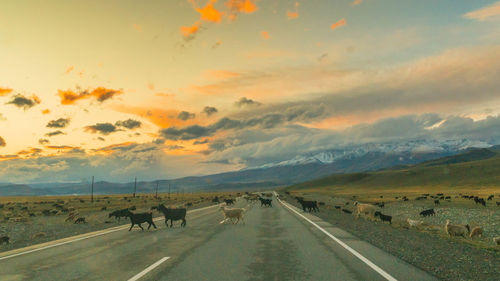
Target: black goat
140	218
123	213
436	202
429	212
173	215
337	207
309	205
384	217
229	201
490	197
4	239
266	202
498	203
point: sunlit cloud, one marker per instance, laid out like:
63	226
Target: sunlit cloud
209	110
5	91
2	142
339	23
190	31
221	74
69	69
129	124
184	115
209	13
55	133
217	44
491	12
24	102
356	2
246	102
43	141
240	6
101	128
293	14
46	111
100	94
137	27
265	35
59	123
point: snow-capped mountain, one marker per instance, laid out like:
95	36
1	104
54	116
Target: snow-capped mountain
407	151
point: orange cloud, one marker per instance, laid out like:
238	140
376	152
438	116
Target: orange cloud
46	111
188	31
209	13
294	15
338	24
101	94
356	2
241	6
137	27
5	91
69	69
264	34
487	13
221	74
160	117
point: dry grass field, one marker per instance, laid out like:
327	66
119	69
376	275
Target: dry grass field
32	220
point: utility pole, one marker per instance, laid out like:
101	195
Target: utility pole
156	195
92	191
135	186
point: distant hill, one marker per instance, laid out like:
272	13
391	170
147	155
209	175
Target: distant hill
473	168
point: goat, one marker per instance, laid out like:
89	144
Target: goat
383	217
309	205
119	214
490	197
4	239
429	212
337	207
495	239
457	230
80	220
230	213
436	202
498	203
229	201
365	209
140	218
173	215
476	231
266	202
414	223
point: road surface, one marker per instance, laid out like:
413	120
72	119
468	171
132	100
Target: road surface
278	243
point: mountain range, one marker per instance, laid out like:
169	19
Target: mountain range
302	168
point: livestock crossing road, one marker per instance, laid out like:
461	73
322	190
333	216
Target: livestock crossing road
278	243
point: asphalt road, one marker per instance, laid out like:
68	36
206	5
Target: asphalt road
274	244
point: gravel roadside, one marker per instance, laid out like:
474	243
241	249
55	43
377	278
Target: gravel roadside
447	259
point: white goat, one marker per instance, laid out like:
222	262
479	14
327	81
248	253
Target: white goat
457	230
414	223
230	213
365	209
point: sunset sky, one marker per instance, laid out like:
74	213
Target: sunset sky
169	88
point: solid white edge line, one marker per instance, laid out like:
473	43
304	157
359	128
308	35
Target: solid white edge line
110	230
148	269
351	250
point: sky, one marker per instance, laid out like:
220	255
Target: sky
164	89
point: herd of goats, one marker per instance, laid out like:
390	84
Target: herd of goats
175	214
370	211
